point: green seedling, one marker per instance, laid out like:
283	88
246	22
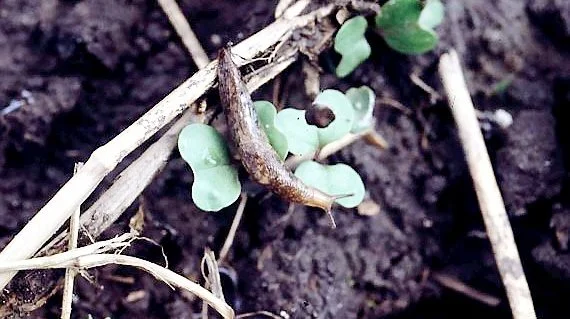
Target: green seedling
343	111
352	45
407	26
306	139
362	99
266	113
301	137
336	179
216	183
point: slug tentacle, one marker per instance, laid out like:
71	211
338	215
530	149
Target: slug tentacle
257	156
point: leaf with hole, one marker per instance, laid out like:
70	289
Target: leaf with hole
362	99
352	45
302	138
407	26
216	184
266	113
339	179
343	111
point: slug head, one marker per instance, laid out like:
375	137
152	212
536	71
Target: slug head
325	202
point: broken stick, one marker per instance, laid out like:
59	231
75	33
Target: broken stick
488	194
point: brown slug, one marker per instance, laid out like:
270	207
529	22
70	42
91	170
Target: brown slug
257	156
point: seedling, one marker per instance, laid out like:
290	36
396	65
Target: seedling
362	100
407	26
216	183
215	178
267	114
333	179
352	45
306	139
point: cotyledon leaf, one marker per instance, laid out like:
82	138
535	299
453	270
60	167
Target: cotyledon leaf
216	184
266	114
363	99
302	138
352	45
339	179
343	111
407	25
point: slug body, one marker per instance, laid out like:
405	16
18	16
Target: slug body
257	156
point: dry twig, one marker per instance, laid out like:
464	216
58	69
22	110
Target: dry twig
132	181
395	104
331	148
488	194
282	5
460	287
259	313
48	262
433	95
185	32
211	274
82	261
233	228
295	9
71	272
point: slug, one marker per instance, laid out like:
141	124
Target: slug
257	156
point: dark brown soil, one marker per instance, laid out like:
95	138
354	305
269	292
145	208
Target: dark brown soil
81	71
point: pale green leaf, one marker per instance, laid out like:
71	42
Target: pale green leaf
432	14
343	111
302	138
362	99
216	184
352	45
266	113
339	179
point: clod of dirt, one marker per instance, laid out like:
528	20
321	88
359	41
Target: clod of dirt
32	120
360	273
530	166
553	16
556	264
560	225
95	28
29	293
396	172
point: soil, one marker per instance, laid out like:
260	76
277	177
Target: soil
79	72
